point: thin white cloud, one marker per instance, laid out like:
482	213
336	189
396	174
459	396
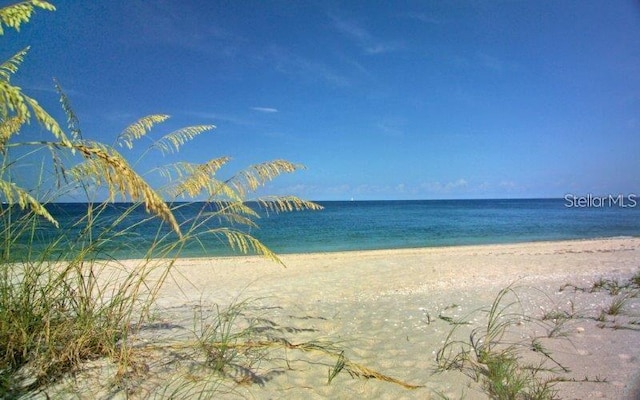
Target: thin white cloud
218	118
428	19
267	110
509	185
438	187
460	183
372	191
362	37
301	68
120	116
392	127
490	62
175	24
380	48
351	29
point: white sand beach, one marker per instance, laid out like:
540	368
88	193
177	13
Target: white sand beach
386	309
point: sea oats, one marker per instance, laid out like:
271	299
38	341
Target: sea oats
139	128
12	194
245	243
10	67
18	14
13	101
172	142
202	177
106	166
279	204
72	120
257	175
10	127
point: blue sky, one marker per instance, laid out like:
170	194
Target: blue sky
380	100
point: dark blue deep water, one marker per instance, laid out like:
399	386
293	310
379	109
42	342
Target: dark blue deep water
362	225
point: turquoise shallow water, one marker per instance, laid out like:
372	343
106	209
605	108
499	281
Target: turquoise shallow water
363	225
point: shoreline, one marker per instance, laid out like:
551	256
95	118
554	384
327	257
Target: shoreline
388	250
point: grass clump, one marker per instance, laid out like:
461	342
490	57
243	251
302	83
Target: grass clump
617	305
494	357
614	287
635	280
622	294
54	318
223	339
556	319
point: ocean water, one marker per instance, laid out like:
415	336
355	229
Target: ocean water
365	225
